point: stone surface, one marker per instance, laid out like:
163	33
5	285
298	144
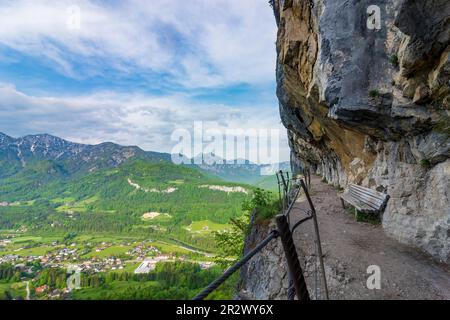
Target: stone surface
264	277
349	248
371	106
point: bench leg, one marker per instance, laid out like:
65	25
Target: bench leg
343	204
356	214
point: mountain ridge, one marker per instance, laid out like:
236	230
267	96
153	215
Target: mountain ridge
56	180
78	157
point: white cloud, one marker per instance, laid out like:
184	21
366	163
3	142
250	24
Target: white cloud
127	119
199	42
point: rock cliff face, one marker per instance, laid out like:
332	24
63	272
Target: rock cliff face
364	92
264	277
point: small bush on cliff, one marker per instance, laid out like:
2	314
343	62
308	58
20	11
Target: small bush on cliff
266	204
425	163
230	243
442	126
373	93
394	60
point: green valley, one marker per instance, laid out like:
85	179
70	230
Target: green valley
127	224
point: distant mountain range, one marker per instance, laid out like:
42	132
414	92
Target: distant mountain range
51	185
73	158
16	153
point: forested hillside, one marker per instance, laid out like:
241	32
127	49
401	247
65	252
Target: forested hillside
53	186
110	210
132	189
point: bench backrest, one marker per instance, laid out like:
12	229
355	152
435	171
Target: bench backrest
374	199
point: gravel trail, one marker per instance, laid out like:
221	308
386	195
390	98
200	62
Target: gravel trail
350	247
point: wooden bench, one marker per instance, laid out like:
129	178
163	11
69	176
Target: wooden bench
364	199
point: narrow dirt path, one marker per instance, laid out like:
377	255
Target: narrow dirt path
28	291
350	247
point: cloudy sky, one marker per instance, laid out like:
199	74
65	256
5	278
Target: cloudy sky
134	71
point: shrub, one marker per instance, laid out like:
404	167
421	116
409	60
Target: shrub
373	93
374	219
425	163
442	126
230	243
266	204
394	60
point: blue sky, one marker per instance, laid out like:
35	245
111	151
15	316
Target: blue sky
134	71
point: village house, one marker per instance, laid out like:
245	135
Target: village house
41	289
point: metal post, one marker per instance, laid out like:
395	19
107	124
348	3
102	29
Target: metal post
284	181
295	270
309	177
319	244
289	182
291	290
279	191
288	210
285	192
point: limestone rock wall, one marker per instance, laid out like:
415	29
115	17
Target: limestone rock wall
364	91
264	277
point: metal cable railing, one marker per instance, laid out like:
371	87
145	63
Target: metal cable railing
288	202
297	283
304	184
229	272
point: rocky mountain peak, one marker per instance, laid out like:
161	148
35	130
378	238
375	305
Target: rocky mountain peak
75	155
5	139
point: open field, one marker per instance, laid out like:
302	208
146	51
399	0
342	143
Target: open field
16	289
70	205
131	266
37	251
206	227
166	247
63	200
110	246
105	293
113	251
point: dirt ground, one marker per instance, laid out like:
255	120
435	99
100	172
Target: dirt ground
350	247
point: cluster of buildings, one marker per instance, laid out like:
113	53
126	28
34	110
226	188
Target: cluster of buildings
52	294
10	258
95	265
17	260
142	251
102	246
71	255
206	265
61	255
149	264
5	242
